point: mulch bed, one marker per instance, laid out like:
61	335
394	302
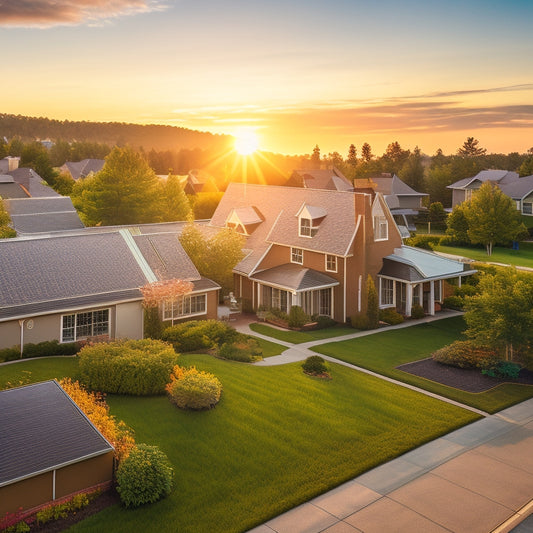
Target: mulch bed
107	498
469	380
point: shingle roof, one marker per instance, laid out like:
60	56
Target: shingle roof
330	179
81	169
279	206
11	190
519	188
295	277
390	184
497	176
43	429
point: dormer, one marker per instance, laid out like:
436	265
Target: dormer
244	219
309	219
379	221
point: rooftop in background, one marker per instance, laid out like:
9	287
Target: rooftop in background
331	179
81	169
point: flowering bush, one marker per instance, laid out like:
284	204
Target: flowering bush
194	389
139	367
145	476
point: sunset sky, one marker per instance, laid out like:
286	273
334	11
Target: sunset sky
427	73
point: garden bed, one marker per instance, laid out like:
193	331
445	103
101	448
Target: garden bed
468	380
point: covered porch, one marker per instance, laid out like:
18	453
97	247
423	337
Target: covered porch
411	276
290	284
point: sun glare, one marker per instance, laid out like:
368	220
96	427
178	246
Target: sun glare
246	141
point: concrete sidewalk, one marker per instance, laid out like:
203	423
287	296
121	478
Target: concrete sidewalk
477	479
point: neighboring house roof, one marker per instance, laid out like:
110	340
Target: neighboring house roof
38	215
42	275
330	179
279	208
10	189
497	176
391	184
81	169
519	188
28	184
294	278
42	430
413	264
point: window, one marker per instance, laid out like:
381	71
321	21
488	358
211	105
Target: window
80	326
331	263
386	294
381	228
527	208
297	256
437	290
189	305
305	227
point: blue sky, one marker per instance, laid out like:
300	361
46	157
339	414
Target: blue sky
300	73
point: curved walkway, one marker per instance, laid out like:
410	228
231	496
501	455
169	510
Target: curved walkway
477	479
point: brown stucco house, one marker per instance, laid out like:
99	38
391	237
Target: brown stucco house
49	448
315	248
74	286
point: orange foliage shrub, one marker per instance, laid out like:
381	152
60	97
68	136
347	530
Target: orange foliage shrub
96	409
158	291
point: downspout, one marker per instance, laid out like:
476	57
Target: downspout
21	324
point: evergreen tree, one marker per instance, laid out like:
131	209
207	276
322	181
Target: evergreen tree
315	158
470	148
366	153
175	204
372	303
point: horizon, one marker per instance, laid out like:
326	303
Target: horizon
297	74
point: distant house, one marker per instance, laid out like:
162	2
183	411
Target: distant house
315	248
330	179
50	449
77	286
82	169
463	190
403	201
521	191
42	215
18	182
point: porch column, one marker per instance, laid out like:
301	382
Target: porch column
295	300
408	299
431	303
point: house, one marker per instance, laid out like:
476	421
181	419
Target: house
463	190
24	183
82	169
50	449
42	215
521	191
75	286
403	201
315	248
331	179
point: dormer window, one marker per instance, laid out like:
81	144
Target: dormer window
309	219
306	229
244	220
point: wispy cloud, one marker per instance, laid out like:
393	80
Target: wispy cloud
49	13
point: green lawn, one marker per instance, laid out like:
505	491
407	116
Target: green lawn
522	257
270	348
298	337
383	352
276	439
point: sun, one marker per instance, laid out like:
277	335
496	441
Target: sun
246	141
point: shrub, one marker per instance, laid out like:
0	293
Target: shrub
502	369
145	476
315	365
465	354
193	389
323	322
9	354
454	302
277	315
153	325
390	316
359	322
298	317
427	242
417	311
245	349
465	290
372	303
47	348
138	367
198	335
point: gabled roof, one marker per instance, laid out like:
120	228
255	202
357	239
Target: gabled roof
42	430
519	188
295	278
279	207
247	216
391	184
496	176
413	264
331	179
81	169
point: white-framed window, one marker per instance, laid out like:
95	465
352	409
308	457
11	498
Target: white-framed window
297	256
79	326
527	208
386	292
331	263
381	228
306	227
184	306
437	290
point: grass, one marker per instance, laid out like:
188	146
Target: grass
270	348
522	257
276	439
383	352
298	337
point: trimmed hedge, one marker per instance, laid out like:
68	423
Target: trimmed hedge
198	335
137	367
194	389
465	354
245	349
391	316
41	349
145	476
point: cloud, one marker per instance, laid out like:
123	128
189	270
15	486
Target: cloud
49	13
